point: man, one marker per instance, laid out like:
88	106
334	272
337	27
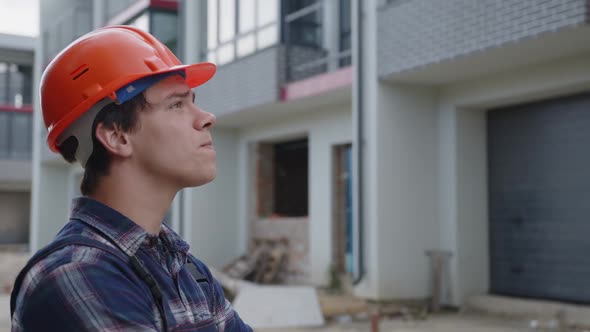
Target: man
120	103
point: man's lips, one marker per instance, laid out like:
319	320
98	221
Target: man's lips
208	144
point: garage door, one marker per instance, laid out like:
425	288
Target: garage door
539	199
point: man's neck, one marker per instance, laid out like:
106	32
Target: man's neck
144	202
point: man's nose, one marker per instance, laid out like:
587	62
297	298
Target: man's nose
204	119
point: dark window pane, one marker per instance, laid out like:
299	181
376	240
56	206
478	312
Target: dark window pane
291	174
27	88
21	135
4	134
291	6
305	30
4	83
345	30
164	26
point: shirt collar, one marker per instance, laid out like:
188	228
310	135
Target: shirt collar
119	229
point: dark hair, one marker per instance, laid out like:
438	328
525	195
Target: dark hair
123	117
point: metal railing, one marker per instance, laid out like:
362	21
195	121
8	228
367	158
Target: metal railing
303	35
16	127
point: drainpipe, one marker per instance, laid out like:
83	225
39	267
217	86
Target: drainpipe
359	143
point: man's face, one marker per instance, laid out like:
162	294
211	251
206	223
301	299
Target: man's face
172	143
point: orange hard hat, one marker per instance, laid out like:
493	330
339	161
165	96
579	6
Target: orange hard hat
97	65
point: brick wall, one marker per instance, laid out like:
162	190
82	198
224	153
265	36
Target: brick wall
243	84
414	33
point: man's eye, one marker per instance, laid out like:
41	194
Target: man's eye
176	104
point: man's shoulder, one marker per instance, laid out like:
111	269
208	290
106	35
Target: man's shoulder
63	256
72	281
75	244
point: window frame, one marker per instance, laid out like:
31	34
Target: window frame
212	53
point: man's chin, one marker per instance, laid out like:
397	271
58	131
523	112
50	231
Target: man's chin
202	180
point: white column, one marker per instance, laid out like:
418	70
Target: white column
367	76
38	134
473	256
192	29
447	175
98	13
407	211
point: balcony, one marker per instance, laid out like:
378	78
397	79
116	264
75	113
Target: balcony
309	57
16	126
15	147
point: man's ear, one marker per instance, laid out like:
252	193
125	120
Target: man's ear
114	140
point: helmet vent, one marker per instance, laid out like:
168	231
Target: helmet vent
79	71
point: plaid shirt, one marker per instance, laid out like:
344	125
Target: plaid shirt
81	288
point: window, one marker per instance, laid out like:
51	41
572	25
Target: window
141	22
162	24
64	27
302	22
345	28
15	135
113	8
21	135
236	28
15	84
4	79
4	134
282	176
290	178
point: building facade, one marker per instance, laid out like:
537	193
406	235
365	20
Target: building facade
16	119
368	137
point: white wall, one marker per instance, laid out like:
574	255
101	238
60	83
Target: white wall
463	158
472	255
213	217
53	206
407	215
325	128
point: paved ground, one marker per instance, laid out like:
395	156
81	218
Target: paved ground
440	323
4	313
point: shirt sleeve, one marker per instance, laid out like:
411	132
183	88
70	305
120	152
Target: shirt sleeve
226	318
88	297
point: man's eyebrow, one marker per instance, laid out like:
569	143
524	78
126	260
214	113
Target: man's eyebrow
179	95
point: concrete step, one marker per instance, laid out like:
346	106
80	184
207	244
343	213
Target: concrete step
543	311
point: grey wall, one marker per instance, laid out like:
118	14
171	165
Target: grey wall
413	33
14	217
62	22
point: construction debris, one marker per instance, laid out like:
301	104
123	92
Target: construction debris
265	264
334	306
